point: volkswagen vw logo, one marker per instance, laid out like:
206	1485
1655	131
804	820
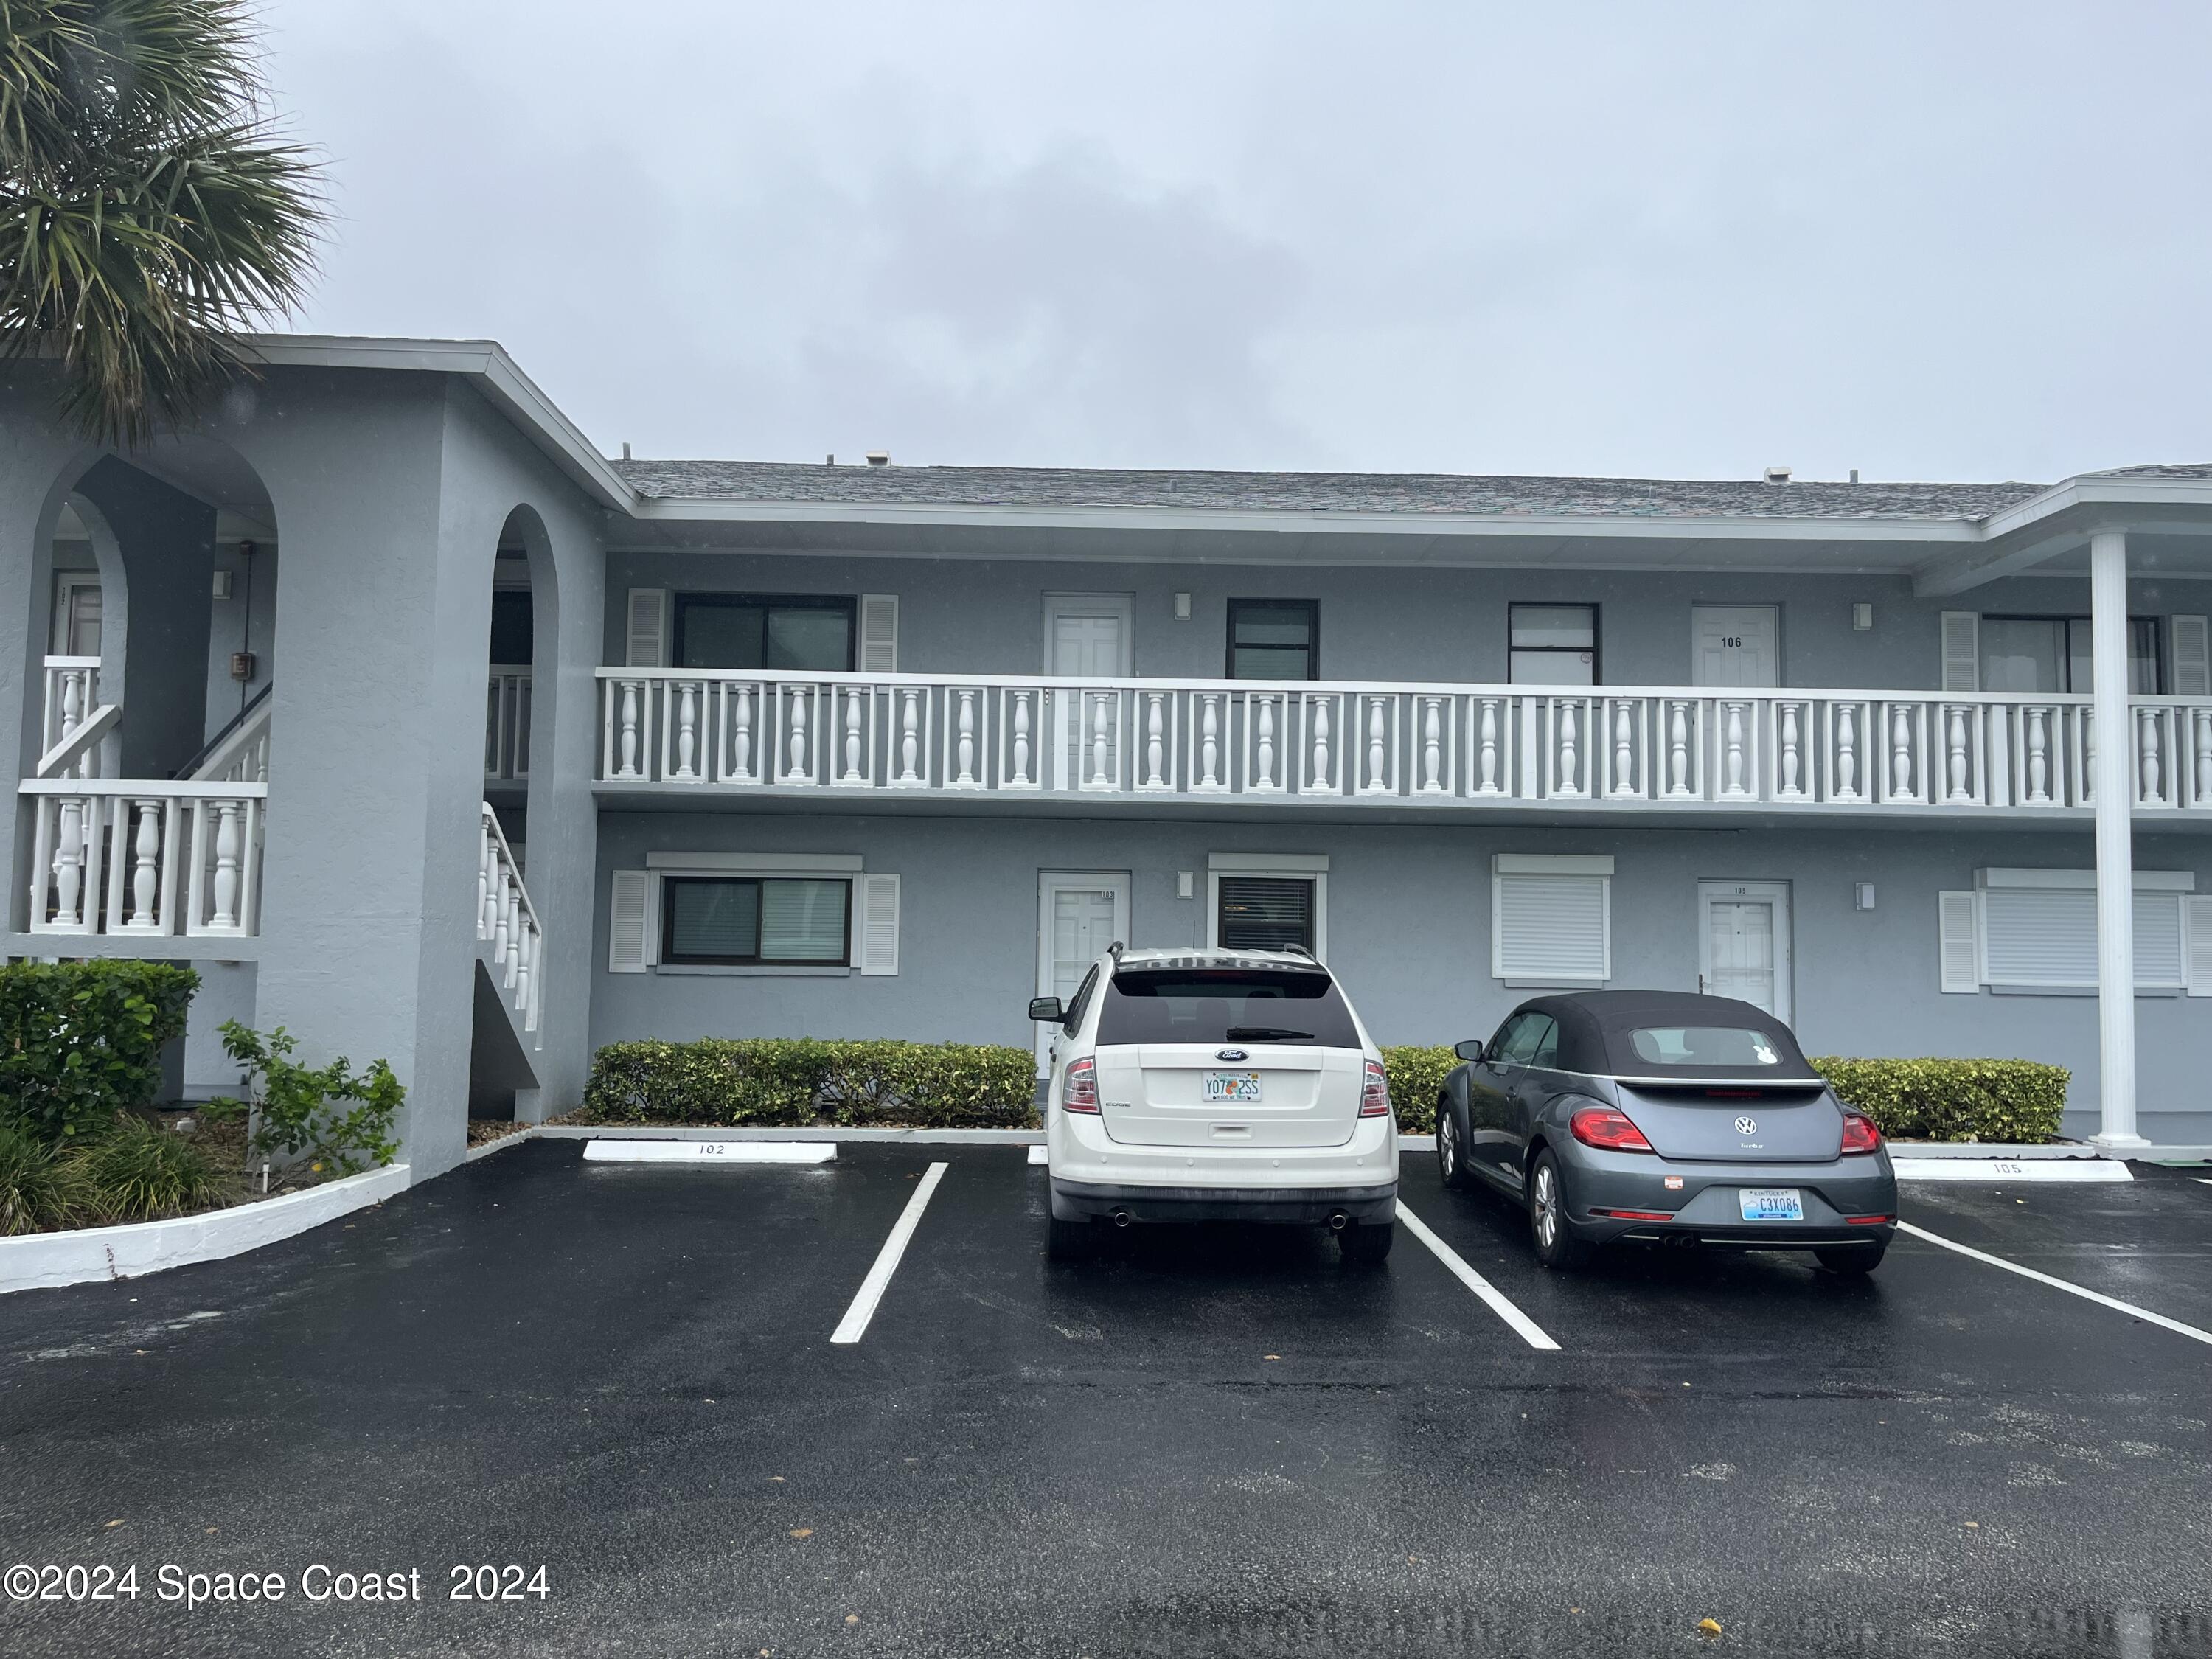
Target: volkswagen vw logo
1231	1054
1746	1126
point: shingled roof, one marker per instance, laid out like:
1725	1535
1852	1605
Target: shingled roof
781	482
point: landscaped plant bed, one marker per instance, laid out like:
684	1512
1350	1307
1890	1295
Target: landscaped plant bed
806	1082
482	1131
223	1144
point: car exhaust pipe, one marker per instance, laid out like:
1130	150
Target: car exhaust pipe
1121	1218
1338	1221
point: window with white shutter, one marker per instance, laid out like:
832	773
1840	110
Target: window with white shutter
880	924
2038	930
1959	926
628	920
2196	940
1962	651
647	646
878	634
1550	919
2192	656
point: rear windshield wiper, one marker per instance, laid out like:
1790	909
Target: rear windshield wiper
1264	1033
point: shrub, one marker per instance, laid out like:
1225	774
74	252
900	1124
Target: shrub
138	1171
82	1040
1417	1077
795	1081
292	1106
41	1185
2015	1101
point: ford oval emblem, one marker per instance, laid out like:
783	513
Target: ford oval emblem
1231	1054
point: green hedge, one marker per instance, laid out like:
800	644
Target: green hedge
798	1081
79	1040
1416	1077
2013	1101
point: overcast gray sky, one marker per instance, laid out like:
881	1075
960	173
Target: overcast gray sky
1929	241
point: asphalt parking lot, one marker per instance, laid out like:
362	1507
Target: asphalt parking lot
1211	1440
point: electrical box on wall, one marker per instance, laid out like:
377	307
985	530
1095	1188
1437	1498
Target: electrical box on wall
1186	884
241	665
1862	896
222	584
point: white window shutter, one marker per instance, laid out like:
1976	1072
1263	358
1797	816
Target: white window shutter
2161	943
2192	656
880	924
1961	971
878	634
1551	930
648	628
629	918
1962	651
2196	938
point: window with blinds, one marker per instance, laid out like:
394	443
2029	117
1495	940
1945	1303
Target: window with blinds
1550	919
2037	930
1266	913
716	920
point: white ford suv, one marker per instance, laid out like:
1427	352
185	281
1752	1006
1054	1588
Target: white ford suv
1217	1085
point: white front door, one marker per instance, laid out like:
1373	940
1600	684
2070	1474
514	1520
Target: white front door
1087	637
1743	942
1080	914
1735	645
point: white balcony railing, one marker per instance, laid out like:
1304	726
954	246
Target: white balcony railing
135	855
506	920
1377	742
73	722
506	725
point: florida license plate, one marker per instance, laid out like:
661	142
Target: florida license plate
1771	1204
1233	1085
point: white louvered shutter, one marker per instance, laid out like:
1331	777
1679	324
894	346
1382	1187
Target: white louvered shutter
878	634
1551	930
1962	651
627	918
2161	951
647	647
1955	914
2192	656
880	924
2040	935
2196	936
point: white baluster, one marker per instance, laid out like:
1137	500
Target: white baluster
1266	744
1317	778
502	915
145	864
1432	748
1569	775
741	738
687	728
1677	748
2038	757
1209	740
1790	749
522	942
1021	737
1847	754
966	741
1377	783
627	750
1486	755
72	702
512	928
69	863
229	817
2202	721
797	771
2087	725
1155	748
1101	742
1955	743
909	732
2147	744
1623	749
852	773
488	888
1733	770
1900	753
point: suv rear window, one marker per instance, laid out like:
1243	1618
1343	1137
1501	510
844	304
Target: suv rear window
1225	1005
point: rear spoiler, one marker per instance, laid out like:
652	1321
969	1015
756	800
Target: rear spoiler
1725	1088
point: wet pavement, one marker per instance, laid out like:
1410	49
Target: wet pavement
1214	1441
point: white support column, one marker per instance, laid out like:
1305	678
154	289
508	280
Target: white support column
2116	795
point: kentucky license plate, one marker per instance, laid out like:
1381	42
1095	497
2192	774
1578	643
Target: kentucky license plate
1233	1085
1771	1204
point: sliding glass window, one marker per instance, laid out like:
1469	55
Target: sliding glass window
718	921
779	631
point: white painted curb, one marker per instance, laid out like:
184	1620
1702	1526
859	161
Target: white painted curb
709	1151
84	1255
2010	1170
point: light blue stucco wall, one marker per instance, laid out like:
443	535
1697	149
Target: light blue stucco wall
1408	920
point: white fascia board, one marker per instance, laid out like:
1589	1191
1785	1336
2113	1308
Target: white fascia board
757	864
2026	534
1550	863
486	365
1294	864
2147	881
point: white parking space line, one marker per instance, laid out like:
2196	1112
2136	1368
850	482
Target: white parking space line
851	1327
2174	1325
710	1151
1527	1329
1040	1154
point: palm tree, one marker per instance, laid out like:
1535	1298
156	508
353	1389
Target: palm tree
149	211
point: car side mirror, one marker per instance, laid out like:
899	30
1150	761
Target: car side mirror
1474	1050
1046	1010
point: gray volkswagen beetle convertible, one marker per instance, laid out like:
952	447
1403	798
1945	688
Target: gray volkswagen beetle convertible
1667	1118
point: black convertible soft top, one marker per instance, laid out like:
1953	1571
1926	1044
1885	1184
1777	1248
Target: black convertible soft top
1595	1027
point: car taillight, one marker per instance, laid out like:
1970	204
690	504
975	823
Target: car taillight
1859	1133
1375	1092
1080	1093
1607	1130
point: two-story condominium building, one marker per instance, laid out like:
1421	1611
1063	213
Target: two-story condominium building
431	733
